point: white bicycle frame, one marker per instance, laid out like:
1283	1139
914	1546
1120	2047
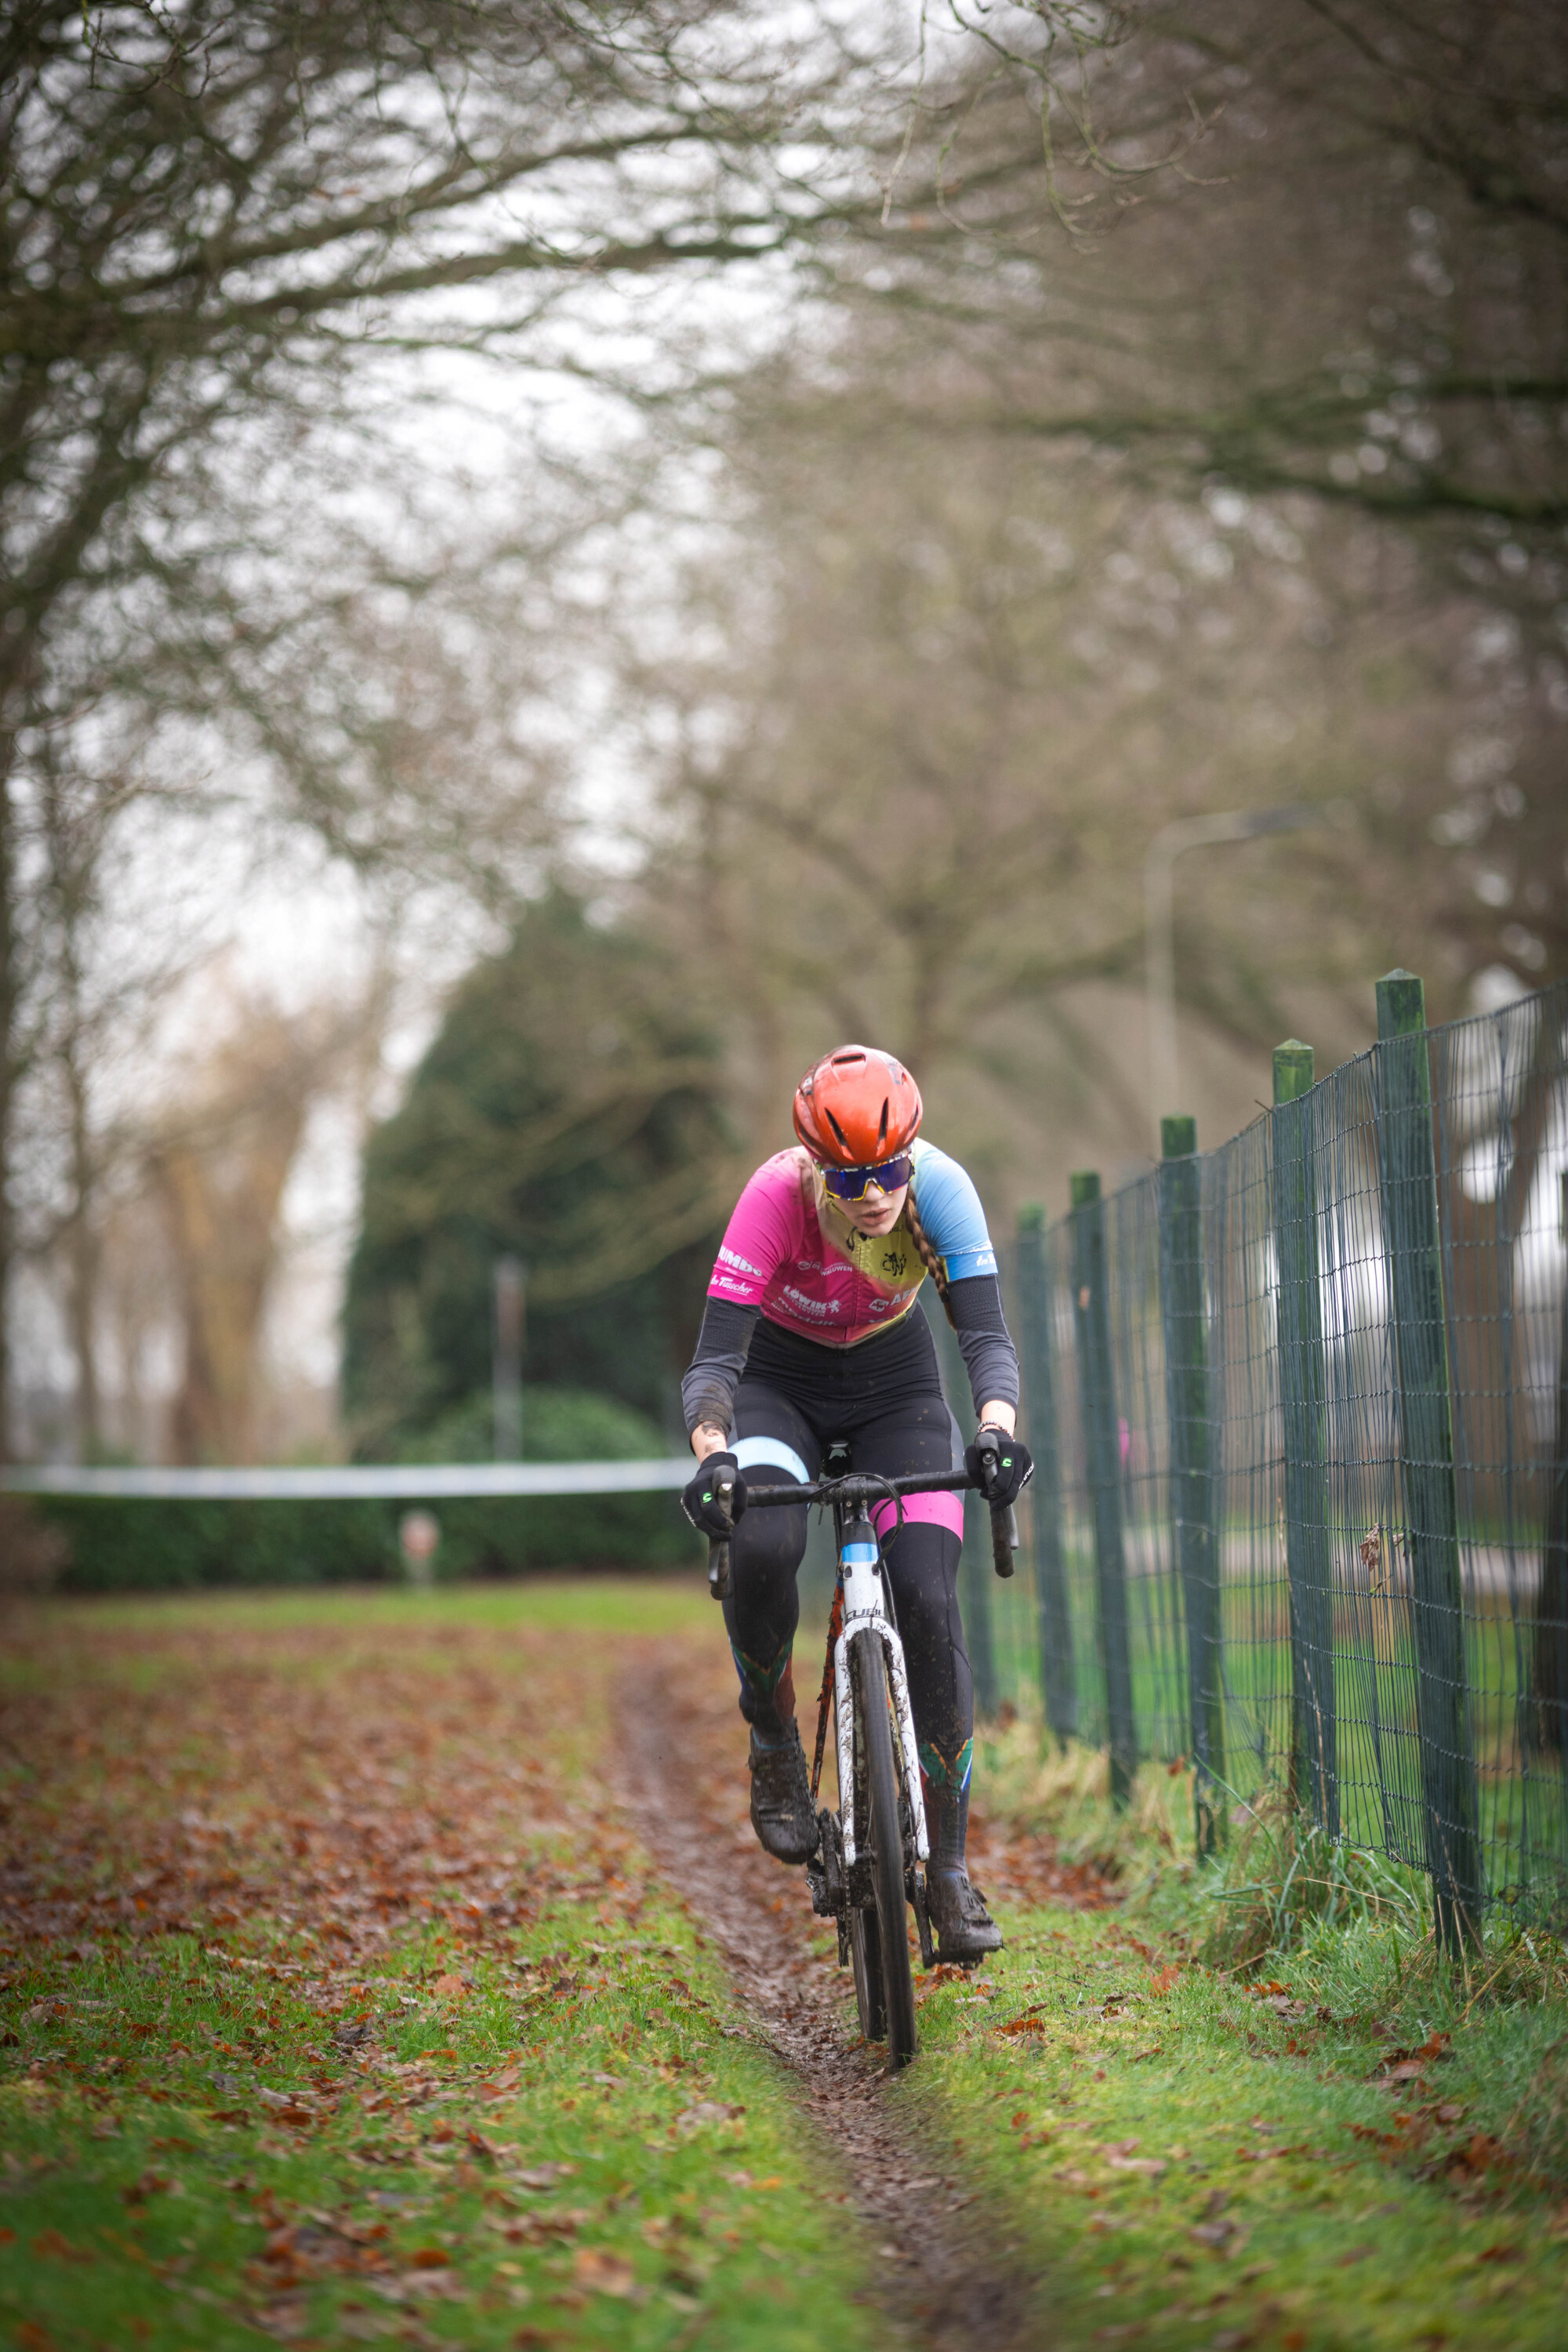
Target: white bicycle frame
863	1611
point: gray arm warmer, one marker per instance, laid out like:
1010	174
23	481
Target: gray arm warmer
989	1355
708	1388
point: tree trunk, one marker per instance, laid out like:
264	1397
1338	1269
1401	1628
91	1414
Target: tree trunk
222	1198
1502	1481
1492	1450
10	1011
84	1254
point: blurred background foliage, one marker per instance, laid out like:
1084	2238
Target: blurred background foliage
567	1114
775	590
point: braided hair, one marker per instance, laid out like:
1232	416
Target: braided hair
929	1258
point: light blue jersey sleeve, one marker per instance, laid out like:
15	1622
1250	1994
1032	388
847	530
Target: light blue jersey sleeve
951	1215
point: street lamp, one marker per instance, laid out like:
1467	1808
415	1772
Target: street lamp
1158	924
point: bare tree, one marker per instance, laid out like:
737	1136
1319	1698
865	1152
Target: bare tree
1350	286
921	715
218	223
1350	279
218	1164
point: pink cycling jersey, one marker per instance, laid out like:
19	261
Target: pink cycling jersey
788	1250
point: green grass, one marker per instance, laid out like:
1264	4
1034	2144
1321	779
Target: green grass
578	2144
1345	2141
1191	2161
347	2007
523	2114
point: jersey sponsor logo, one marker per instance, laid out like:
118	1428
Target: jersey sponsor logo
809	1265
728	1282
805	1305
741	1264
894	1260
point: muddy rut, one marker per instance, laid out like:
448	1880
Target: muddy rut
946	2277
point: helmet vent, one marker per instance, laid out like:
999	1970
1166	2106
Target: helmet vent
837	1131
882	1130
848	1060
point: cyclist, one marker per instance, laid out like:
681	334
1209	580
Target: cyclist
811	1334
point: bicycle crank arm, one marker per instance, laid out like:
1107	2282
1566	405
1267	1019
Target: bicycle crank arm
916	1889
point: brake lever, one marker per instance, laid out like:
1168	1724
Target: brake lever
1003	1538
719	1545
1003	1523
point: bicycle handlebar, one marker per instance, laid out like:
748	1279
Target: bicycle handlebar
859	1488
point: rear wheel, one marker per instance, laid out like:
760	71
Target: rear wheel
880	1836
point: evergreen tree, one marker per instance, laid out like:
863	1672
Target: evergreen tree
568	1114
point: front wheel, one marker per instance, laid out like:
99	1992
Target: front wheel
880	1836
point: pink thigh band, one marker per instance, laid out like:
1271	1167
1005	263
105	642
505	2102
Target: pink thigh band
928	1510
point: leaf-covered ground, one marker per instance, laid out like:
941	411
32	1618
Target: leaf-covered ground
340	2003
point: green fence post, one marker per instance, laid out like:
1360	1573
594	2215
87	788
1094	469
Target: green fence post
1058	1682
1408	1168
1102	1444
975	1567
1303	1405
1184	1315
1547	1715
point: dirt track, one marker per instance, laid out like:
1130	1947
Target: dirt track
949	2284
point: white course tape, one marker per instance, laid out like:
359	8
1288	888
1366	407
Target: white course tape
413	1482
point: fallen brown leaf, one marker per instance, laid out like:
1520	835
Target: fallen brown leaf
603	2274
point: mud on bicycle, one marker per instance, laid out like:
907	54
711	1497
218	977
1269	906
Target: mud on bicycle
867	1870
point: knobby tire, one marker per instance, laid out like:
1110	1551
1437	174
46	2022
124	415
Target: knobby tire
885	1844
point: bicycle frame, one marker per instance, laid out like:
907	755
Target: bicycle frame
861	1593
860	1575
851	1888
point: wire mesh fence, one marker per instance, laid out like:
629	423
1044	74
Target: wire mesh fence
1299	1412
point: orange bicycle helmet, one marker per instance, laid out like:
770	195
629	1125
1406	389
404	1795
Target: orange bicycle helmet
857	1107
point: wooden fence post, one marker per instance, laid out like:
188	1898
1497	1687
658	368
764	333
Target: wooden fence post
1303	1404
1102	1444
1185	1314
1058	1683
1407	1168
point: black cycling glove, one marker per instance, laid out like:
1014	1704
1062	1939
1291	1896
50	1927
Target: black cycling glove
1000	1466
697	1500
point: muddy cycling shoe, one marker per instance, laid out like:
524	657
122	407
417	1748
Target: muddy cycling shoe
965	1929
782	1811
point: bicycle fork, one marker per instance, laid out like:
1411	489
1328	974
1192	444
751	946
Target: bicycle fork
859	1608
862	1559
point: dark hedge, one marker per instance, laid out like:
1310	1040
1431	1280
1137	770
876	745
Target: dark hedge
119	1545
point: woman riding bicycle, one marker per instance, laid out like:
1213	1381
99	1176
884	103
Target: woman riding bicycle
811	1335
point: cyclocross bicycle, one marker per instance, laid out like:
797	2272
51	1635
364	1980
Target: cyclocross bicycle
871	1854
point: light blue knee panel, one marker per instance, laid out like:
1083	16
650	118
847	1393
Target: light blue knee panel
752	1451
